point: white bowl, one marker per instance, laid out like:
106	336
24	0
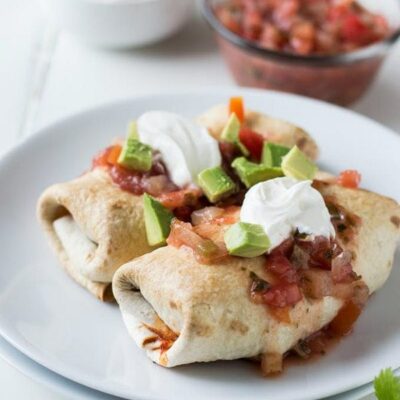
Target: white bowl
119	23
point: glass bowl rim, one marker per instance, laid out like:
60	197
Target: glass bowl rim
363	53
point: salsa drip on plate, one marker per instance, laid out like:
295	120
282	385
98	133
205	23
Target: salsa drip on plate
304	27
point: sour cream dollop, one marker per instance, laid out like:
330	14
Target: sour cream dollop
186	147
283	205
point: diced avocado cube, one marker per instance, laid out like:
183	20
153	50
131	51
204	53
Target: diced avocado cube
296	165
246	240
135	155
132	131
272	154
216	184
251	173
230	133
157	220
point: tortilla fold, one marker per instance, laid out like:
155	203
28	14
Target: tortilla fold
94	227
182	312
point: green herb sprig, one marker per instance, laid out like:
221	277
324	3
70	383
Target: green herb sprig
387	385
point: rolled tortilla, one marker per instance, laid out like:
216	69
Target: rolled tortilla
94	227
182	312
273	129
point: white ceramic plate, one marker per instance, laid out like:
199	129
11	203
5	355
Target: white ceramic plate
73	390
59	325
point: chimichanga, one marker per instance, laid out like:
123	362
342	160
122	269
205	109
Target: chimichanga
181	311
94	226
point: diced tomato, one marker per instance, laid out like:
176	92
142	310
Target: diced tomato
114	154
285	248
337	12
204	250
236	106
303	38
107	157
303	26
381	26
214	228
182	233
180	198
344	321
285	13
316	283
228	20
252	24
101	159
354	30
283	295
130	181
281	267
271	37
321	250
253	141
349	178
210	230
230	216
216	215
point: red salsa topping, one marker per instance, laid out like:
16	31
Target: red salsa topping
156	181
312	268
253	141
304	27
349	178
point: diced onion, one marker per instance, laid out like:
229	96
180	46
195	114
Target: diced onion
206	214
205	250
156	185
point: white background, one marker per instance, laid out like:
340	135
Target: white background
46	74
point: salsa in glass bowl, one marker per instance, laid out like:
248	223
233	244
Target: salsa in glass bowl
326	49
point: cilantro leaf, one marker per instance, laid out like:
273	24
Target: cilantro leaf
387	385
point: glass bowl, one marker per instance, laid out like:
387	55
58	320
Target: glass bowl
340	79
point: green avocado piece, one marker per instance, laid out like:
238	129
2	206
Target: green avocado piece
296	165
135	155
132	131
157	220
230	133
246	240
272	154
251	173
215	183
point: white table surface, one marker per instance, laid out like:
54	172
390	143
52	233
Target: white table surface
46	74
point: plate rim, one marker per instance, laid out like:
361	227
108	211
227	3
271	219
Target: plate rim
226	91
46	377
